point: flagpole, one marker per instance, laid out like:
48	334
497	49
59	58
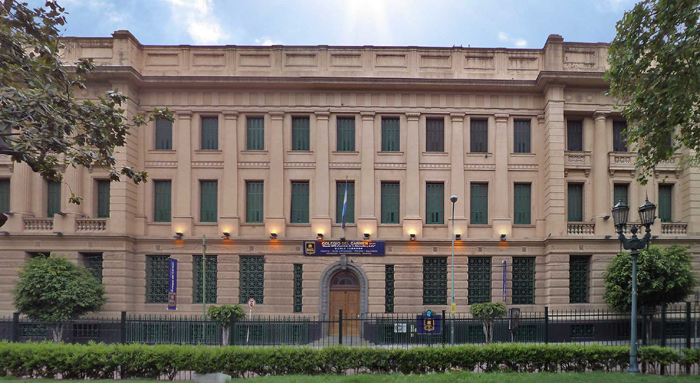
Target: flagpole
204	277
345	204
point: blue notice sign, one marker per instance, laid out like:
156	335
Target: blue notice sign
429	325
172	284
343	247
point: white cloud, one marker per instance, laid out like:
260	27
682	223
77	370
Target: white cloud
613	5
520	43
267	41
502	36
198	15
103	7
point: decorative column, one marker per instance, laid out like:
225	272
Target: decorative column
228	222
412	221
599	167
553	152
182	187
457	176
322	218
367	221
502	223
274	221
72	183
21	186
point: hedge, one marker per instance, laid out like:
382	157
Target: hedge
100	361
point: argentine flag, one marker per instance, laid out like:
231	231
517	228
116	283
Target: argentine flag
345	202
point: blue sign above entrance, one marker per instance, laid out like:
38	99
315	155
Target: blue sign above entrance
343	247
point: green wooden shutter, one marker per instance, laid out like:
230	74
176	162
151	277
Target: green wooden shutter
522	136
212	279
575	202
434	280
164	135
479	136
666	203
339	197
252	279
208	201
157	278
161	199
345	141
479	204
390	202
522	204
479	279
389	288
434	203
255	137
579	278
523	281
300	202
103	187
619	138
298	287
300	133
210	133
620	194
4	196
435	135
574	135
391	135
255	193
53	198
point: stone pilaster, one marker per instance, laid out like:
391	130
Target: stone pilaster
601	184
275	221
457	184
21	186
689	197
229	220
412	221
502	223
182	187
322	218
367	221
553	152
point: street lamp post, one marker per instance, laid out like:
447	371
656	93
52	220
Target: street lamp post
453	199
620	213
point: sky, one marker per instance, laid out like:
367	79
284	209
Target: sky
444	23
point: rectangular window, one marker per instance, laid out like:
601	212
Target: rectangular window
209	192
479	203
210	285
345	140
161	201
620	194
210	133
300	133
252	279
435	203
619	138
390	202
103	198
579	278
523	281
53	198
4	196
340	197
574	135
389	288
521	136
479	136
164	134
255	134
391	134
522	204
157	278
434	280
254	201
300	202
93	262
666	203
298	287
575	202
479	274
435	135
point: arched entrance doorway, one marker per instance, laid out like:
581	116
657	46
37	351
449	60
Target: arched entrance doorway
345	295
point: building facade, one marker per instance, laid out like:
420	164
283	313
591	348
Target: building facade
265	139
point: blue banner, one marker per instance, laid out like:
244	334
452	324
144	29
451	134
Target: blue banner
426	325
172	284
344	247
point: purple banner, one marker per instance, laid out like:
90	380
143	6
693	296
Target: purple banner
172	284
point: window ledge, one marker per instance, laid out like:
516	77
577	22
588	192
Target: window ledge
206	224
523	154
299	224
390	154
524	226
254	152
208	151
390	224
252	224
437	154
162	151
435	225
479	154
300	152
160	223
479	225
345	153
346	225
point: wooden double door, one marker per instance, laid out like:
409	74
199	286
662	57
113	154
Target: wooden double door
345	295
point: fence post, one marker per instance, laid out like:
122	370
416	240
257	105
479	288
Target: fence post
443	328
546	325
663	333
122	328
688	333
340	327
14	337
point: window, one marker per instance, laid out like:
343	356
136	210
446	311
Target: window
157	278
479	136
211	281
161	201
523	281
164	134
300	202
93	262
522	204
521	136
53	198
103	198
210	133
4	196
666	203
254	201
208	201
579	278
479	288
434	203
298	287
435	135
389	288
345	140
300	133
252	279
574	135
390	202
434	280
575	202
479	203
255	134
619	138
620	194
340	197
391	134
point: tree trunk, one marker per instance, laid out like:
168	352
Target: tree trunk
485	326
490	331
57	331
225	335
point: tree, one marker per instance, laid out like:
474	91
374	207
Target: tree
655	73
54	290
42	123
487	313
224	316
663	276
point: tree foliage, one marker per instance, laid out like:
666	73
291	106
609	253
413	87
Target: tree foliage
487	313
655	73
224	315
663	276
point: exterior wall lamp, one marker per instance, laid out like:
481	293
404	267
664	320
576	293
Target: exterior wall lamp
319	236
273	235
413	237
503	237
367	235
226	235
458	237
178	236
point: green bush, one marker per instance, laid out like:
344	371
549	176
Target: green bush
100	361
224	315
487	313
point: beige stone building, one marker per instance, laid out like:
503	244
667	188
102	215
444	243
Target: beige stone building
264	139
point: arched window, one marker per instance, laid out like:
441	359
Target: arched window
345	280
